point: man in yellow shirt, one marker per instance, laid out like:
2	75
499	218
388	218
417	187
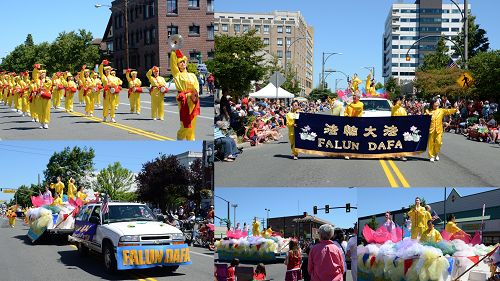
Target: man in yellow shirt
431	234
134	91
71	189
397	109
290	123
436	129
419	217
355	108
58	187
451	226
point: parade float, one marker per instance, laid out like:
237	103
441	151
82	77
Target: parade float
262	246
45	217
391	256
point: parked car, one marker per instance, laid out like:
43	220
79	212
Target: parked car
376	107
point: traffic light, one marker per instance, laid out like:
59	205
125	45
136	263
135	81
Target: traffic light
315	210
327	209
348	207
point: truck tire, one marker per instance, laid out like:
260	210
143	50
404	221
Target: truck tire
109	258
170	269
82	250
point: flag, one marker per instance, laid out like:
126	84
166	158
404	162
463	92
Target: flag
452	64
105	206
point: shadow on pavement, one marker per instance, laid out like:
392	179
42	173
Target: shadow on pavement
309	157
23	121
22	128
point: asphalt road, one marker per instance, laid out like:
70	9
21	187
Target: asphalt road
22	261
129	126
463	162
276	271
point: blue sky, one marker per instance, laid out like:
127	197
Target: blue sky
23	160
378	200
286	201
354	28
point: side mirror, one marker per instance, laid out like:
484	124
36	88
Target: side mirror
95	220
160	218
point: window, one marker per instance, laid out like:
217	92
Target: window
194	30
280	54
288	54
289	29
455	20
216	27
246	27
194	4
280	41
149	10
153	35
172	29
280	29
172	7
257	28
195	56
210	6
237	28
395	37
210	55
266	41
225	28
266	29
455	29
147	39
288	42
210	32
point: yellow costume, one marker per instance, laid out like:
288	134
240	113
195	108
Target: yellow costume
370	90
134	92
119	82
25	85
80	195
43	88
354	109
11	214
290	123
80	89
109	82
452	228
431	235
71	190
157	83
436	129
58	89
87	84
12	85
58	187
398	110
355	83
17	94
419	217
256	228
98	88
71	89
57	202
187	96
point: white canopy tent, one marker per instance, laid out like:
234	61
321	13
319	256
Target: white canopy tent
269	91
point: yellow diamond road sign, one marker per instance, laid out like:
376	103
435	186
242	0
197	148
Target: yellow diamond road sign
8	190
465	80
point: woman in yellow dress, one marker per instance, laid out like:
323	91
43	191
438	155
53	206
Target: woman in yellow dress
436	129
290	123
98	87
134	91
58	186
11	215
71	188
419	218
158	91
431	234
88	84
111	90
71	89
43	86
187	95
80	194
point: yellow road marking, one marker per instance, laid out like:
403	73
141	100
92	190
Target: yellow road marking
144	277
388	174
399	174
124	127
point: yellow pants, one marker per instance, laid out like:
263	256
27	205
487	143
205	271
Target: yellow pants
187	133
34	108
157	107
97	98
25	103
117	99
434	144
5	94
89	103
135	102
56	98
12	221
44	111
109	102
80	96
416	231
291	138
68	101
17	101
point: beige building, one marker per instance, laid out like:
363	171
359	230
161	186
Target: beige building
277	29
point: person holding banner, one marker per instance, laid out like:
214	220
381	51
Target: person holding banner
436	129
134	91
397	109
419	217
290	123
431	234
158	89
355	108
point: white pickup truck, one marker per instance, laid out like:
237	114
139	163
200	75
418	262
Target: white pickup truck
129	237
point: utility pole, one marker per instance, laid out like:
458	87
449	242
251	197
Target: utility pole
466	32
126	34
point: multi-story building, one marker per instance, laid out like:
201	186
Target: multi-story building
187	158
301	226
279	30
150	23
405	24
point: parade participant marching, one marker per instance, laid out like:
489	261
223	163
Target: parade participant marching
158	90
80	89
18	94
58	187
25	84
134	91
110	90
33	101
119	83
58	90
187	95
97	93
436	129
419	217
290	123
3	85
71	89
398	110
12	86
431	234
11	215
43	89
87	84
71	188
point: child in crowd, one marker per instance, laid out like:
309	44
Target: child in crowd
231	270
260	272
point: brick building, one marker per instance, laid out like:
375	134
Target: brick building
303	226
150	23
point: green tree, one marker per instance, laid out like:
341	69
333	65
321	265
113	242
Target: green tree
192	68
163	181
438	59
238	61
29	41
321	94
24	56
392	87
438	82
373	224
75	162
478	42
23	196
485	69
116	181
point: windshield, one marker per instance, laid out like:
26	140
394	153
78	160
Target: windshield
120	213
379	105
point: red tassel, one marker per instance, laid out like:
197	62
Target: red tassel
372	260
179	54
407	265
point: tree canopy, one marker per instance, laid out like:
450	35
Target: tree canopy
116	181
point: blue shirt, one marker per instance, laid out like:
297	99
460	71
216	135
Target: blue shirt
218	134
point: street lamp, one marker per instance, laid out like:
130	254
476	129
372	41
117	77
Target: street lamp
228	225
286	51
234	213
465	20
323	66
267	218
427	36
370	68
125	11
336	83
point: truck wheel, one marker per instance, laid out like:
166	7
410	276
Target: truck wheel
82	250
109	258
171	269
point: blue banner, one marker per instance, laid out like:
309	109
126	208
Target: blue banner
363	137
131	257
84	230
